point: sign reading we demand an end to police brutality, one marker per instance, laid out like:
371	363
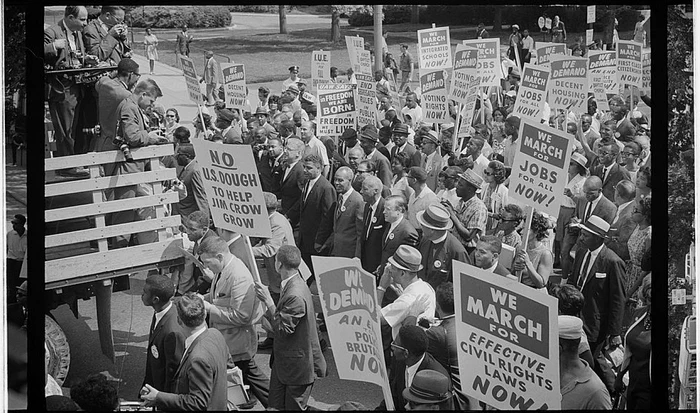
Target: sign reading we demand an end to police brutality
434	49
336	108
233	188
568	83
193	90
348	296
489	64
508	344
234	86
532	93
540	167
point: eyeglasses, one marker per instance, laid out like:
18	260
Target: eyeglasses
169	116
628	154
488	173
362	172
398	347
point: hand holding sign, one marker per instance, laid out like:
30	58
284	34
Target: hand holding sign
263	294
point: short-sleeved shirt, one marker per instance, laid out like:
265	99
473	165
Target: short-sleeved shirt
406	62
585	393
316	147
16	245
418	300
419	202
472	214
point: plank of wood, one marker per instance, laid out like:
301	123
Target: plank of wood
88	185
99	158
108	207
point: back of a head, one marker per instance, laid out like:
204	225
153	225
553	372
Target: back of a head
289	256
213	246
161	286
570	299
148	86
191	310
444	297
372	182
414	339
181	134
95	394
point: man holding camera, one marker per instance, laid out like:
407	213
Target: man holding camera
105	37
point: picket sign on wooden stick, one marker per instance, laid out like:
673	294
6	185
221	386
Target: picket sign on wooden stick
458	122
526	230
481	93
201	119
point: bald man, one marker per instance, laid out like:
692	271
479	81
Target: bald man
340	235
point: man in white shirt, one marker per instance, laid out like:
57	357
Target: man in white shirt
622	225
474	146
449	178
422	196
413	110
293	78
314	145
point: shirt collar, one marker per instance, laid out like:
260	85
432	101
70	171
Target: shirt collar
285	281
395	224
623	206
68	31
493	267
196	333
412	370
441	239
161	313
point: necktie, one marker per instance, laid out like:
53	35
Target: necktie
605	173
306	191
368	222
286	173
153	324
583	271
338	208
587	214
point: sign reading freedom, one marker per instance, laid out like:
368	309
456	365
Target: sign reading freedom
540	167
336	108
508	341
234	85
233	188
191	80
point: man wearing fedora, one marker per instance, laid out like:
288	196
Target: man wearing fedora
430	390
438	246
422	195
348	141
271	165
469	218
230	131
262	116
399	135
368	140
600	275
431	160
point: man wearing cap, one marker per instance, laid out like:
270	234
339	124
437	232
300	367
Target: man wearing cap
431	160
380	145
399	135
608	170
413	110
262	116
230	130
313	145
438	246
600	275
110	93
191	177
469	218
430	390
348	141
293	78
422	195
340	234
368	140
211	76
16	252
17	311
581	388
373	224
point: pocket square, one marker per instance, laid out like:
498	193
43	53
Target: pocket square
600	275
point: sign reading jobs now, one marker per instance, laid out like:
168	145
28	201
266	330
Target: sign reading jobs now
349	301
190	73
233	188
336	108
540	167
508	344
234	85
532	92
434	48
489	64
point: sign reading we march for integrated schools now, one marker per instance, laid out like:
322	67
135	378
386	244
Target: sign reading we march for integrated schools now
233	188
191	80
348	296
629	64
434	49
234	86
465	69
532	93
336	108
568	83
508	341
540	167
489	64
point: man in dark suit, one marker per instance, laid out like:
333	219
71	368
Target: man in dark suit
62	43
398	230
438	246
200	380
110	93
271	165
191	177
373	224
339	235
296	354
197	228
400	138
592	203
348	141
182	42
106	36
292	175
485	256
600	275
608	170
622	225
166	341
317	198
368	141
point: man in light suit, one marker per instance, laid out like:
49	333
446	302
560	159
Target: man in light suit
431	161
292	175
106	36
61	42
368	140
608	170
296	355
622	225
200	380
110	93
592	203
341	232
211	76
166	341
399	135
373	224
600	275
234	310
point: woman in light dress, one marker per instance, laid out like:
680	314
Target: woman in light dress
150	41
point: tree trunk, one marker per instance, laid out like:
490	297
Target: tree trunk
497	19
335	26
415	14
283	20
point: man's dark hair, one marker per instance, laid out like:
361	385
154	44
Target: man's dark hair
494	243
181	134
191	310
95	394
72	11
289	256
200	218
111	9
161	287
444	296
286	128
313	158
570	299
413	339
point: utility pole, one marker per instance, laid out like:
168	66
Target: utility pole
378	53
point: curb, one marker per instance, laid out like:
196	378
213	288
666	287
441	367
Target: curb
22	200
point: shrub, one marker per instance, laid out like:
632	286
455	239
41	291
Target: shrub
360	19
176	16
397	14
253	9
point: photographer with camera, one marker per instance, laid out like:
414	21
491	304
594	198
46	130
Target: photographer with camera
106	36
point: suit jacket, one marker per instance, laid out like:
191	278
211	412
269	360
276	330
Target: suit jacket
403	234
296	352
289	191
211	75
373	228
605	209
271	172
165	347
196	199
382	166
624	226
235	309
343	230
59	85
100	43
443	346
615	175
437	164
200	381
397	378
110	92
311	212
604	294
413	154
437	261
182	43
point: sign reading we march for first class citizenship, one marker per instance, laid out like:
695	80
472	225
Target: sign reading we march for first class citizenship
507	340
233	188
191	80
540	167
629	64
234	85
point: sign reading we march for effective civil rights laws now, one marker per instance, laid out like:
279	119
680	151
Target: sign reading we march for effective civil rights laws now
532	93
540	167
336	108
234	86
508	341
191	80
568	83
489	64
434	49
233	189
348	297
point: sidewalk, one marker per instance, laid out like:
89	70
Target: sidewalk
15	188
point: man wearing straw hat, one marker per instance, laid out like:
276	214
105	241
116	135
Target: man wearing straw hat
469	218
438	247
430	390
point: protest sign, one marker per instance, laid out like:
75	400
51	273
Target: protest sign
489	64
540	168
336	108
548	23
629	64
354	45
348	296
646	72
602	76
434	50
589	36
233	188
590	14
234	86
568	83
465	69
433	89
467	114
365	59
191	80
532	93
393	89
544	51
508	341
366	100
320	68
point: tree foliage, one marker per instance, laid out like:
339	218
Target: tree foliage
680	92
15	56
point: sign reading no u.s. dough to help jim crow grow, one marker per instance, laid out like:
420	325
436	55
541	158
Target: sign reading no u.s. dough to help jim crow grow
336	108
507	340
233	189
540	167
